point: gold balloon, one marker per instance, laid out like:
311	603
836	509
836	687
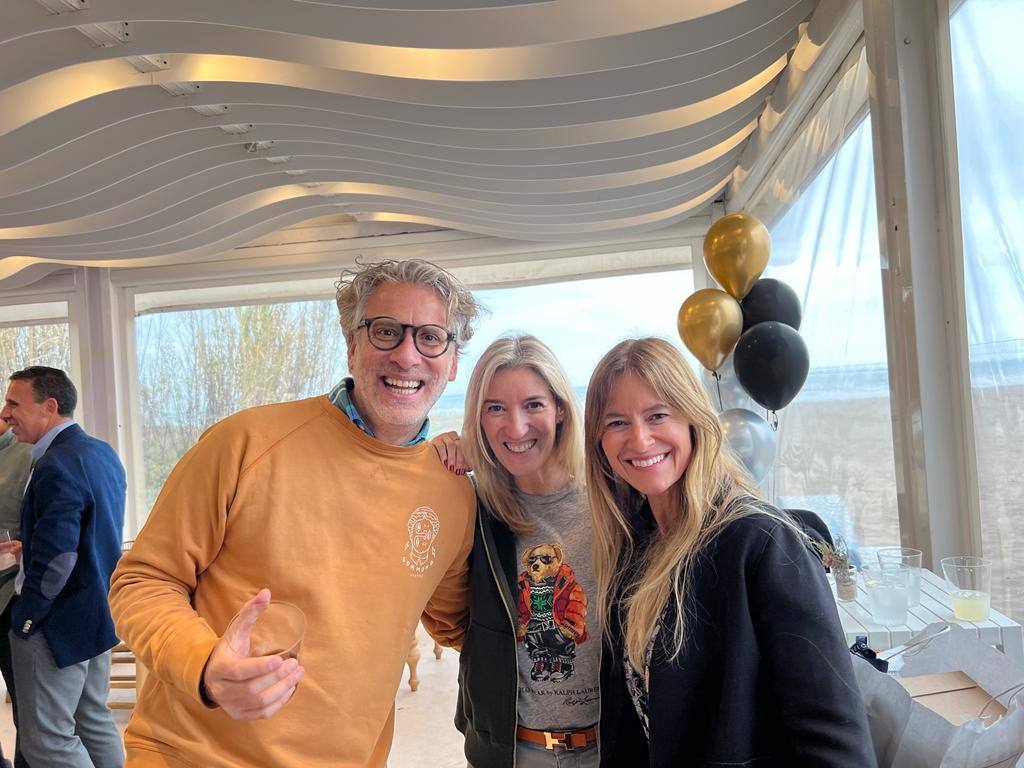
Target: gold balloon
710	322
736	250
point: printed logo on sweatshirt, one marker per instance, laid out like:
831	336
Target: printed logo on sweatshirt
420	552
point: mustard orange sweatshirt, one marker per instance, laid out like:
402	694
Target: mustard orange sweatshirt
363	536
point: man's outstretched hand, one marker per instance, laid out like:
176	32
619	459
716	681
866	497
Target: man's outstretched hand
248	688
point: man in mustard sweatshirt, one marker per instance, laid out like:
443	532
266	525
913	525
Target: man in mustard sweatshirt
336	504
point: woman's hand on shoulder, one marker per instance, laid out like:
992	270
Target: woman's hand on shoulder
449	449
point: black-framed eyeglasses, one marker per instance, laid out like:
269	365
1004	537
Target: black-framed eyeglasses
387	333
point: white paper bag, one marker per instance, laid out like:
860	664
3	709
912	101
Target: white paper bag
907	734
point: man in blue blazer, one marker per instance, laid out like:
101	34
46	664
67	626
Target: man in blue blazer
72	515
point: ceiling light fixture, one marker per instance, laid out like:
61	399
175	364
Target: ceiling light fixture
181	89
145	64
236	128
108	34
211	110
258	146
63	6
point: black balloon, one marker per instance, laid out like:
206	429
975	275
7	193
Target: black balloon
771	364
771	300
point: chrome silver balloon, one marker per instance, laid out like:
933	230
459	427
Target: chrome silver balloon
751	440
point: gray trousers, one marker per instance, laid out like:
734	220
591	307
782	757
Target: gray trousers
63	717
536	756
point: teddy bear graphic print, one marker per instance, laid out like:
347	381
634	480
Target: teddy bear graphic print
558	659
552	612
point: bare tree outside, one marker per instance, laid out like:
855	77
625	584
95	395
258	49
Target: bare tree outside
198	366
38	344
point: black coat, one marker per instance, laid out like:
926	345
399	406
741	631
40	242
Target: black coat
488	665
764	679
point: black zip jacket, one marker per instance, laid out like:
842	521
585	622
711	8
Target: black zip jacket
488	674
764	679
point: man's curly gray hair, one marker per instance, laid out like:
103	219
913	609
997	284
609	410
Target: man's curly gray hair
356	285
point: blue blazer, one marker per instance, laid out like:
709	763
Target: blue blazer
72	516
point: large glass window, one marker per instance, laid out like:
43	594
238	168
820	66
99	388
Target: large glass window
40	343
835	450
198	366
986	37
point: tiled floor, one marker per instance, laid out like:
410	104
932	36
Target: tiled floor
424	734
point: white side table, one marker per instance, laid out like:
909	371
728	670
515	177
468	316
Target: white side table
936	605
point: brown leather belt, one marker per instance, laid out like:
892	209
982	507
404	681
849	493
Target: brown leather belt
568	740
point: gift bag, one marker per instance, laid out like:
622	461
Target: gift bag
906	734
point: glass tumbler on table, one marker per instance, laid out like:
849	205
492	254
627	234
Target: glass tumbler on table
911	558
887	589
971	579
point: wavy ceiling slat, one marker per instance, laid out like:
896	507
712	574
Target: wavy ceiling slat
223	227
27	58
60	175
91	116
106	229
410	44
567	120
28	101
129	178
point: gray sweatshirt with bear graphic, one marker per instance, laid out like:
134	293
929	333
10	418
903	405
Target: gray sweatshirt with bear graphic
559	646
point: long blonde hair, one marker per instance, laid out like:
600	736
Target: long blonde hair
495	484
713	491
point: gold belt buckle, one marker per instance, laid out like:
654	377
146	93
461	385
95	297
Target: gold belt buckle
551	741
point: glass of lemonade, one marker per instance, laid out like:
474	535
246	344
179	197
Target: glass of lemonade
888	592
971	579
911	558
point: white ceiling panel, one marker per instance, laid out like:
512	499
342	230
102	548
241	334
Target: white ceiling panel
138	132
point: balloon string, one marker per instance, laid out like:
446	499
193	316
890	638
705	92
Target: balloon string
718	386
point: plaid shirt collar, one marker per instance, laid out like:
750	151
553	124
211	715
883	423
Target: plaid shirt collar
342	398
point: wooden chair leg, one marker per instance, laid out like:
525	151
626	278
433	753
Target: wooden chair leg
412	660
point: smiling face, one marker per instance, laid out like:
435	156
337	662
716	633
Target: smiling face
395	389
646	442
28	419
520	419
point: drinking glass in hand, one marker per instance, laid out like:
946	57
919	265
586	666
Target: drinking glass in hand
971	579
7	559
277	631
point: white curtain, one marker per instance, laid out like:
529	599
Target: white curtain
835	453
986	39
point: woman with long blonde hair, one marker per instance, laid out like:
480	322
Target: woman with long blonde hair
530	663
723	644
